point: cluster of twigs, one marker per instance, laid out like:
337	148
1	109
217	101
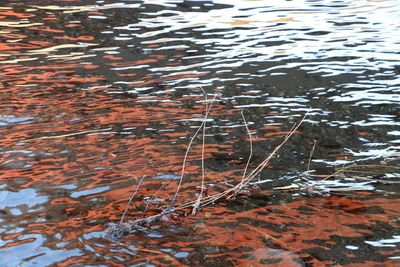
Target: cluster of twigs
116	231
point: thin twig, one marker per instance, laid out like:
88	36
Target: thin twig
373	166
131	198
186	155
251	150
211	199
153	197
6	162
349	168
67	135
263	164
251	145
203	174
311	154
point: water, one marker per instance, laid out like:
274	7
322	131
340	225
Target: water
94	95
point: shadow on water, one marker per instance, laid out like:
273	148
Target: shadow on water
94	95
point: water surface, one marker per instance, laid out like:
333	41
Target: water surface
96	94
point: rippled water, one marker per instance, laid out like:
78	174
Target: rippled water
94	95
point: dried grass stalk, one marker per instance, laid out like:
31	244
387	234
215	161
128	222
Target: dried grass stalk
89	132
172	203
116	231
203	171
311	155
131	198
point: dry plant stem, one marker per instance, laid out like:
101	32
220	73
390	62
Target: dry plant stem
203	170
70	134
251	145
373	166
362	172
131	198
311	154
263	164
341	170
234	264
251	149
348	169
154	196
198	200
5	162
186	155
257	170
211	199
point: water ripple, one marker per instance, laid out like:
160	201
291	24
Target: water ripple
135	68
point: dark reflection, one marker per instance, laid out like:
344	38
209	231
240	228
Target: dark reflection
96	94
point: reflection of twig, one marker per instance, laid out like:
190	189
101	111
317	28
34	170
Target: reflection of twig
282	244
130	199
101	131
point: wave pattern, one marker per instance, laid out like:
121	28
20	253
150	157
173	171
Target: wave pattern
94	95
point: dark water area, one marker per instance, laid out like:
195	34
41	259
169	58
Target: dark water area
96	94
